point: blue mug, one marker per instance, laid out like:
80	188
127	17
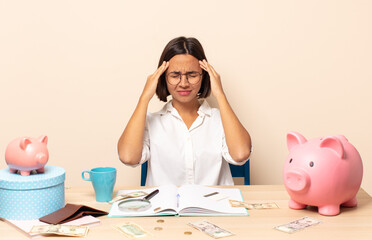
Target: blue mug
103	180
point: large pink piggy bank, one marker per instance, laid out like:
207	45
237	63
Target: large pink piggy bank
27	154
322	172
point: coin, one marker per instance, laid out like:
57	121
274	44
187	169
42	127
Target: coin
187	233
160	221
158	228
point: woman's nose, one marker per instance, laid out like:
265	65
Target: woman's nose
184	81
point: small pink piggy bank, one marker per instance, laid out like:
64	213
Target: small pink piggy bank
27	154
322	172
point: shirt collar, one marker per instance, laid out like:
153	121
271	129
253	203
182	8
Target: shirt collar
203	110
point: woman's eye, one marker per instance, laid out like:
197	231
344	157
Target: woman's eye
174	75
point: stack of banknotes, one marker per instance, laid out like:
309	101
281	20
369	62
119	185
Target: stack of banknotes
268	205
65	230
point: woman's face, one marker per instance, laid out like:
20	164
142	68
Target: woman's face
188	66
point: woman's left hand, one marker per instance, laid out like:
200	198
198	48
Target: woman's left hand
216	85
238	139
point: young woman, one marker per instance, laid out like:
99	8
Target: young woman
187	142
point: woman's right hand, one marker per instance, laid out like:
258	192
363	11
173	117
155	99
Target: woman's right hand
152	81
130	144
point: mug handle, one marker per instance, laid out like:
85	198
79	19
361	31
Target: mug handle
84	178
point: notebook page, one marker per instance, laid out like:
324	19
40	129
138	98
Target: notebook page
165	200
193	202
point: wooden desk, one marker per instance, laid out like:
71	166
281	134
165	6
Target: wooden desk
352	223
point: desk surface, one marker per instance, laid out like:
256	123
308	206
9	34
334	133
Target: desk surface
352	223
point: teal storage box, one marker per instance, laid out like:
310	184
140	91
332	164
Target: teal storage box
31	197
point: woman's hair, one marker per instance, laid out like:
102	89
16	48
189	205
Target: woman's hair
183	45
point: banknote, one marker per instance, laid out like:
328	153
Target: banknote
132	230
261	205
210	229
297	225
235	203
128	195
65	230
269	205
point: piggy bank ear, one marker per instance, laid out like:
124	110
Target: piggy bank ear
342	138
24	143
334	144
43	139
293	139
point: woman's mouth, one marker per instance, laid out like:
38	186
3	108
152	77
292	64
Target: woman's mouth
184	92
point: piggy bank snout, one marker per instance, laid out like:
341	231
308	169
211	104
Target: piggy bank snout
41	158
297	180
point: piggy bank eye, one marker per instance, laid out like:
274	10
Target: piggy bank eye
311	164
290	160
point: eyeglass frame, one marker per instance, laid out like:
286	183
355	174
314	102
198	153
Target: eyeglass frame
186	75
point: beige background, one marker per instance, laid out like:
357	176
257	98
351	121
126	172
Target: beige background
74	70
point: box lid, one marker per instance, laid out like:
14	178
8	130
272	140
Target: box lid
52	176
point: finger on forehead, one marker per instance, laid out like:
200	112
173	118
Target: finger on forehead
209	69
202	62
212	69
161	69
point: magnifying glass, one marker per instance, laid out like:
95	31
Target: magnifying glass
137	205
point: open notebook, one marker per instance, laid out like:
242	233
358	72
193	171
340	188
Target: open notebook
187	200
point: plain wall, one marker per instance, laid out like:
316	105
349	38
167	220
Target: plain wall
73	70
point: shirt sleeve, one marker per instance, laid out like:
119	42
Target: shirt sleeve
226	155
146	146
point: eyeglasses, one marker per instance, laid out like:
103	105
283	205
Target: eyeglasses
174	78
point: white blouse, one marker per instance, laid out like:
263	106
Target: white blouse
177	155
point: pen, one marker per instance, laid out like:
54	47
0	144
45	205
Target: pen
150	195
178	200
210	194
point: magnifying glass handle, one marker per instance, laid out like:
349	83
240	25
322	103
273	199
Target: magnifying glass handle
153	193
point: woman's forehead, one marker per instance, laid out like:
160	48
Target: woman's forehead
183	62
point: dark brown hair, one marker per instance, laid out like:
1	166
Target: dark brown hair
183	45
